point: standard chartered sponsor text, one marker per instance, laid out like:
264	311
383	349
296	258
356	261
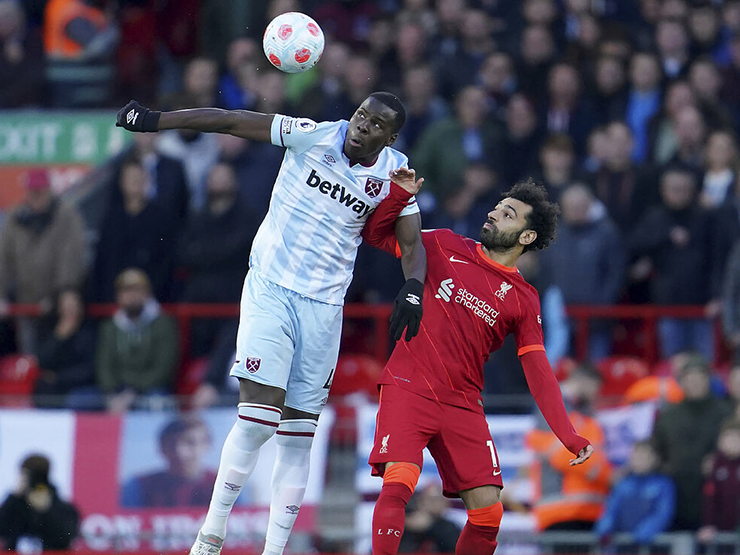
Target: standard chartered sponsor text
480	307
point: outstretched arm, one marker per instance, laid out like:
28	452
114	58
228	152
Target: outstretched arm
240	123
546	392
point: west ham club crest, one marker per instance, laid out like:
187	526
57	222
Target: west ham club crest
373	186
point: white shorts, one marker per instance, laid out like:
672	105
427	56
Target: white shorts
287	340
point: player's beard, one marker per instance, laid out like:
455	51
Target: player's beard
496	240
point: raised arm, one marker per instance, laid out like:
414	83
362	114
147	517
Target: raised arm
240	123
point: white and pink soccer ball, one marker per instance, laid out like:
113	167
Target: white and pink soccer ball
293	42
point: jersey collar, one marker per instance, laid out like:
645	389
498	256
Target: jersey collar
493	263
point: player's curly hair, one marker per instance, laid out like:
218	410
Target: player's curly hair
544	215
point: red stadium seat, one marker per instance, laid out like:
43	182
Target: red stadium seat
18	375
191	376
564	367
620	373
356	374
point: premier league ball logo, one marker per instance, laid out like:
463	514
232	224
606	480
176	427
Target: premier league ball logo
373	186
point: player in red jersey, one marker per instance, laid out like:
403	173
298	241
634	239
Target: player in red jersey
431	387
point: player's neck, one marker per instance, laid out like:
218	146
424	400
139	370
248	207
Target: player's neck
506	257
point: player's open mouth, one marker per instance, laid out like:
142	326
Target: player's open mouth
488	225
355	143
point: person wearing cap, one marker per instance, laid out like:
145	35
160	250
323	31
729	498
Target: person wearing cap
685	433
137	348
42	245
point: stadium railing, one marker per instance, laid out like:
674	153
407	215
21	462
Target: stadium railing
582	315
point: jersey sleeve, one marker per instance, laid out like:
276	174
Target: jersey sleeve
298	134
528	332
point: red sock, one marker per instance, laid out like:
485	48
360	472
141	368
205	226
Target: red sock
477	540
389	518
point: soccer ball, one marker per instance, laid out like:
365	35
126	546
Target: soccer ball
293	42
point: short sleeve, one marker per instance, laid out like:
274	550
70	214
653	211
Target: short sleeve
412	207
298	134
528	332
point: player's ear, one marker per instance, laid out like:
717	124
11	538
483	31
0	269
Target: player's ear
527	237
391	139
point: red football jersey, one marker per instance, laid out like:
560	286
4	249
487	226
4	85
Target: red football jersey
471	304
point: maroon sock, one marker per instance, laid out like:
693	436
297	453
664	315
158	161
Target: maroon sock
389	518
477	540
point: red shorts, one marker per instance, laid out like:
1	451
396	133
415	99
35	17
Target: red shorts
458	440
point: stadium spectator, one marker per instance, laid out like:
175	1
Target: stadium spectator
458	69
587	261
410	50
521	140
42	247
567	109
427	529
644	100
200	81
136	56
448	146
347	22
214	252
557	165
463	211
177	31
137	232
676	238
571	497
720	170
690	130
186	482
642	503
196	151
497	76
537	53
324	100
704	26
672	41
168	184
683	435
610	94
720	507
423	105
706	81
34	518
137	349
256	164
625	189
236	87
662	137
360	78
66	356
80	42
21	60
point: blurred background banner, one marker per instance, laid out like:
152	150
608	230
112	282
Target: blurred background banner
68	144
144	480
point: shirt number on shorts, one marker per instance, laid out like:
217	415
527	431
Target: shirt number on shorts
496	470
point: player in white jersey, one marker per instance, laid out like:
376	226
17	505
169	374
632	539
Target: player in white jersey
333	176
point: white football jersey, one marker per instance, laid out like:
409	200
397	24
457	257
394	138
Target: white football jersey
308	241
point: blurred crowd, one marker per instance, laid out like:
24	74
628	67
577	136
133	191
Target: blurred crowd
626	111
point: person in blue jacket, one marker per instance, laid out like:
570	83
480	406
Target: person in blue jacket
642	503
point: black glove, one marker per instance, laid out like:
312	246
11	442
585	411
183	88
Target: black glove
407	310
135	117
